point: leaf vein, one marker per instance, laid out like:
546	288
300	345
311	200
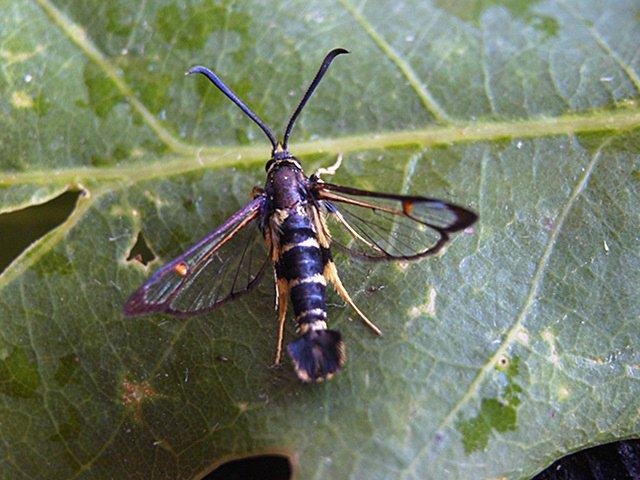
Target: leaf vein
602	43
511	335
427	100
45	398
428	137
79	36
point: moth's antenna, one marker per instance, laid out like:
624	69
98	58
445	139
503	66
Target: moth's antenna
316	80
234	98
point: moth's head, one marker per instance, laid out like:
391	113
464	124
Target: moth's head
280	153
280	156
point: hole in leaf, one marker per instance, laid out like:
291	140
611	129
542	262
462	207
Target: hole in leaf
258	467
21	228
141	251
619	460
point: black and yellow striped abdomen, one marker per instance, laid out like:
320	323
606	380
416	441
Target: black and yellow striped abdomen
318	353
301	264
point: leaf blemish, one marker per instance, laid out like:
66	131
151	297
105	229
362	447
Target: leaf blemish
550	338
523	336
402	266
428	308
278	464
21	99
563	393
133	394
141	252
19	376
34	223
496	415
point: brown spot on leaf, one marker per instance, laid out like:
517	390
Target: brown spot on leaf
133	394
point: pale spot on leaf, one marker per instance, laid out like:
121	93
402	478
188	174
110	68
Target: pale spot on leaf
21	99
523	336
563	393
550	338
428	308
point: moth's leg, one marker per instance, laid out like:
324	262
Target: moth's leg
329	170
282	290
331	274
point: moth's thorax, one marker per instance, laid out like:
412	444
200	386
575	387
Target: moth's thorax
286	185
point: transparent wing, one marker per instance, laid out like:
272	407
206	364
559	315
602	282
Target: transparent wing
383	226
225	263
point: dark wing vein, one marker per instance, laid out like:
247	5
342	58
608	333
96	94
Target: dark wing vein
383	226
225	263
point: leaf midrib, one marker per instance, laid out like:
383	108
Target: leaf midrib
181	160
199	158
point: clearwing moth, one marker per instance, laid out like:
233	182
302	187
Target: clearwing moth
291	217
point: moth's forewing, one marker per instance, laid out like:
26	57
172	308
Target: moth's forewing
225	263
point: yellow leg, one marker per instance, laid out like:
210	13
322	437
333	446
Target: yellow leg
331	274
281	303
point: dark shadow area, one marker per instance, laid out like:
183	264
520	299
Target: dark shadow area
141	251
260	467
21	228
613	461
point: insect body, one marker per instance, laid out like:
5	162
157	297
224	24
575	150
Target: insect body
300	257
293	213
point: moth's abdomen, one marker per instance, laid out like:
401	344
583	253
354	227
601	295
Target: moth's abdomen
300	264
318	353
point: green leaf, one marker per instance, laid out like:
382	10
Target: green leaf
518	345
